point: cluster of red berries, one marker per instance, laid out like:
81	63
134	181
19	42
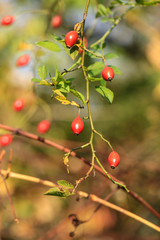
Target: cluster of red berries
24	59
71	39
42	127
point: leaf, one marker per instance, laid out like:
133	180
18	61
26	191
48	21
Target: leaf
63	100
105	19
66	162
59	93
73	103
55	191
103	82
70	79
96	68
64	183
49	45
103	11
42	72
35	80
74	52
44	82
93	79
111	55
56	38
105	92
116	70
78	95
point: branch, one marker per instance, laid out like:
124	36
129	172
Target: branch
94	198
66	150
81	194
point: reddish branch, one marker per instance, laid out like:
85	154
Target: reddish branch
66	150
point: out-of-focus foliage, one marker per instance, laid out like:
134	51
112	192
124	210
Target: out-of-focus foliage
131	123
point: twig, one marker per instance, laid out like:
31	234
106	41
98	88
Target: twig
102	39
66	150
10	199
94	198
81	194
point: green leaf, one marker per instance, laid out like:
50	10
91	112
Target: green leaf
116	70
69	79
35	80
56	38
103	82
105	19
103	11
96	68
49	45
105	92
64	183
44	82
111	55
74	52
55	191
78	95
42	72
93	79
96	47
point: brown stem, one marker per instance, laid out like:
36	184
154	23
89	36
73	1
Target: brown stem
94	198
10	199
66	150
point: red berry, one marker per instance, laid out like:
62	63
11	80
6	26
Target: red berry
108	73
77	126
113	159
85	43
5	140
43	126
56	21
7	20
71	38
18	104
23	60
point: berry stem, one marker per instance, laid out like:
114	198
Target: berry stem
105	140
115	182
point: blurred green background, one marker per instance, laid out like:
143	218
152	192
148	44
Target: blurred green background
131	123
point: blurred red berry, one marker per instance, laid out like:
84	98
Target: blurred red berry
7	20
23	60
6	139
18	104
43	126
85	43
56	21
